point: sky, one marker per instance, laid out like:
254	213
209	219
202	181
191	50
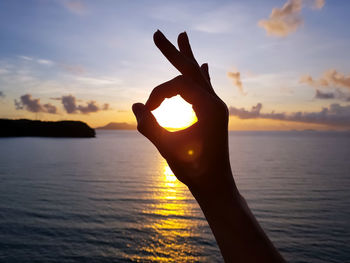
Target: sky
277	64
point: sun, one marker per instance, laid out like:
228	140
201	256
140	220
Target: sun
175	114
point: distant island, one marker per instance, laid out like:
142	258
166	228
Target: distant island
118	126
23	127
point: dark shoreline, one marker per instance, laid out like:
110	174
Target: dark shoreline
33	128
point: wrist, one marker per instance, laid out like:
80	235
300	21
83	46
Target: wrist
222	189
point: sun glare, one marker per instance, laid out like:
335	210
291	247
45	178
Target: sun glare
175	114
169	175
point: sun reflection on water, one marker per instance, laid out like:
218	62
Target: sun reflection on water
171	223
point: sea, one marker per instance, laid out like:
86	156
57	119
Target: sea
113	198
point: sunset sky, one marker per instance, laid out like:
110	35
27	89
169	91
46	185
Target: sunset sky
277	64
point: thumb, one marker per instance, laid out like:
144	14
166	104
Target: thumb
147	124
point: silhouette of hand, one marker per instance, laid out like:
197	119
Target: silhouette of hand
198	155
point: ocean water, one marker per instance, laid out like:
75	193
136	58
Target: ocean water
114	199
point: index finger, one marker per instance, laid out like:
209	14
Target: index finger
185	87
179	60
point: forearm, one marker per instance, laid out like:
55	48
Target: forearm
237	232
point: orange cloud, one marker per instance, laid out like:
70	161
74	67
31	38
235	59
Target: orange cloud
330	79
236	78
318	4
336	78
286	20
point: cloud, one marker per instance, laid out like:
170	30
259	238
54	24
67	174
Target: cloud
40	61
331	79
318	4
2	94
18	105
236	78
341	95
45	62
334	115
286	20
26	58
75	6
307	79
105	106
33	105
70	105
90	107
50	108
336	78
324	95
328	78
246	114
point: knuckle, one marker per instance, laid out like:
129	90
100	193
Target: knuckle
180	79
155	91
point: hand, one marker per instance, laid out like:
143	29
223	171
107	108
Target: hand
198	155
